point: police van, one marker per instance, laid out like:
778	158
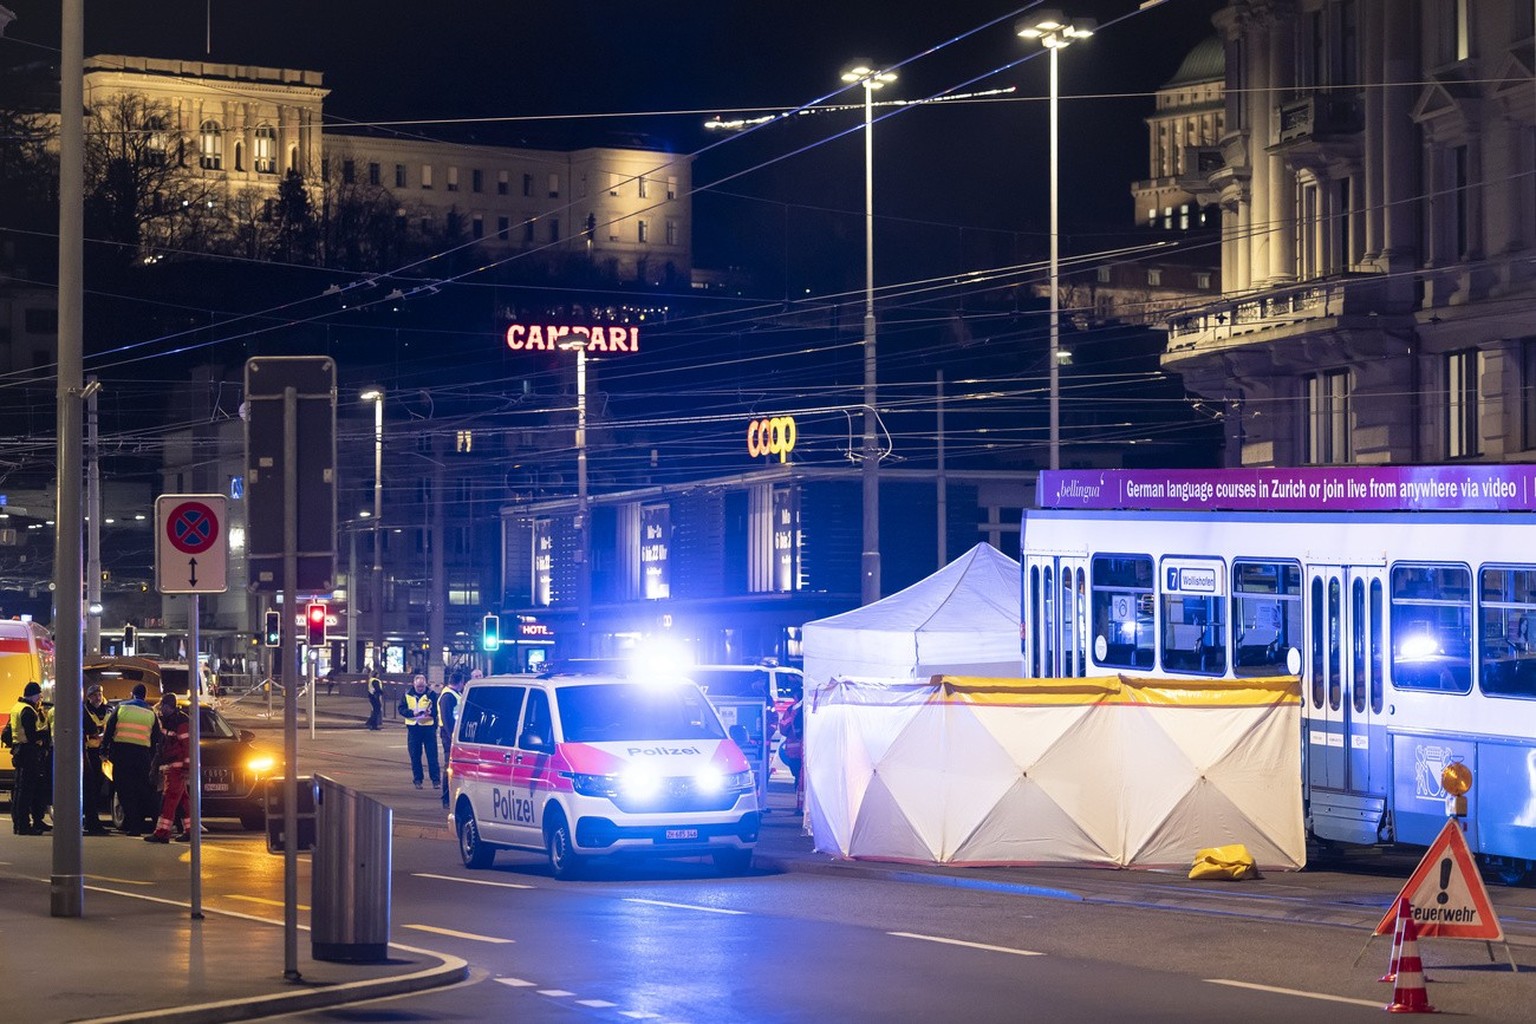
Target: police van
590	766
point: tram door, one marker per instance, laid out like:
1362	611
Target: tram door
1056	616
1344	662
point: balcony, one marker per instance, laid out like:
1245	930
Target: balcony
1318	116
1227	323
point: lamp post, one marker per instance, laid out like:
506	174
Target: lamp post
571	341
376	396
1055	33
864	73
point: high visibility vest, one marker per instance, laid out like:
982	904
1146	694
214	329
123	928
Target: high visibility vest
92	742
417	703
17	739
134	723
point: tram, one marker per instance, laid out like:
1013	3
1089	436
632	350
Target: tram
1403	597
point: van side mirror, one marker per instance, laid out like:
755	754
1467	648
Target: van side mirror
738	735
532	740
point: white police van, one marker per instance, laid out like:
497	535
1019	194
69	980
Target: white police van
583	767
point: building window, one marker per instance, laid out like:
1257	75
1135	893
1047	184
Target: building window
1461	403
453	179
554	229
1455	34
554	186
265	155
1328	417
527	184
528	229
210	146
503	227
463	441
1154	277
614	181
348	172
375	174
672	188
643	190
642	232
503	182
399	175
1528	393
1203	282
477	226
671	232
1104	274
426	175
477	180
426	225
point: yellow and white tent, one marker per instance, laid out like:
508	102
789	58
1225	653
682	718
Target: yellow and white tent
1113	771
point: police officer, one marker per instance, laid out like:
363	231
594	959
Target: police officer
31	745
418	709
448	718
126	743
93	724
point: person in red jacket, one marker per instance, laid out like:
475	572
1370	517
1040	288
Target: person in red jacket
173	761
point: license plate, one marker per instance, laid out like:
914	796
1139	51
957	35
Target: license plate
216	787
682	833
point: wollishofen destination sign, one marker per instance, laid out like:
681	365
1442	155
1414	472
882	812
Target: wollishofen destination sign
191	544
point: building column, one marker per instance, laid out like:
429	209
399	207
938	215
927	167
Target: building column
1401	156
1372	167
1279	80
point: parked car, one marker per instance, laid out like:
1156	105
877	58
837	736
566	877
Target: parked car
118	675
778	685
234	769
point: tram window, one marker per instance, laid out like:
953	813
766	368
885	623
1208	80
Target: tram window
1069	638
1034	621
1360	683
1506	611
1317	641
1432	627
1194	634
1266	616
1048	627
1376	686
1082	623
1123	611
1335	622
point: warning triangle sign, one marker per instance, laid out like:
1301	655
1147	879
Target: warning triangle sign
1446	894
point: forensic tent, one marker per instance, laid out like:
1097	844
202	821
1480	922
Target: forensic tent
1113	771
962	620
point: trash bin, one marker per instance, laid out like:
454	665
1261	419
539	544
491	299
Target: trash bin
349	875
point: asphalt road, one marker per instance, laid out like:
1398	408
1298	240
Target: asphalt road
676	942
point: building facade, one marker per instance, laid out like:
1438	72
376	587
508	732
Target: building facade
1378	221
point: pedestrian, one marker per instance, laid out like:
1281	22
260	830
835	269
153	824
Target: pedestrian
93	780
31	747
173	763
447	720
417	707
375	701
127	746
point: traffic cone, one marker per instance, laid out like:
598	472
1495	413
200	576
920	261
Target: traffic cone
1410	995
1403	914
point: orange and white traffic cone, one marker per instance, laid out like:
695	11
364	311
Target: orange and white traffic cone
1410	995
1403	914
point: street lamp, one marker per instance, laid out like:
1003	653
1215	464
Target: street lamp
864	73
1055	33
376	396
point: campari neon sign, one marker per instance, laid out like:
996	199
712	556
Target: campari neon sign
559	337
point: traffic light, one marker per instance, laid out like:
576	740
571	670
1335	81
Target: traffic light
490	633
314	624
128	638
272	636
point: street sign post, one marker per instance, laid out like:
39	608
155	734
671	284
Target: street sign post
191	544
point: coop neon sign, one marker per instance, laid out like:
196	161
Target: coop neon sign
774	436
557	337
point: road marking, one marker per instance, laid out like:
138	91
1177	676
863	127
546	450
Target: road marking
558	993
596	1004
682	906
639	1014
259	899
456	935
471	881
517	982
119	881
969	945
1294	992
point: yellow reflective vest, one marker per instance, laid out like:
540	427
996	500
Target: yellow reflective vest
423	704
135	722
17	739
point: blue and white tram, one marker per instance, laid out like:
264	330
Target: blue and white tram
1404	597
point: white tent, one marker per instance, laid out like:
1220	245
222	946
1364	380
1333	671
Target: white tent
962	620
1111	771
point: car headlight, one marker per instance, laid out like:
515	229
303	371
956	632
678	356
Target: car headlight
262	764
593	785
